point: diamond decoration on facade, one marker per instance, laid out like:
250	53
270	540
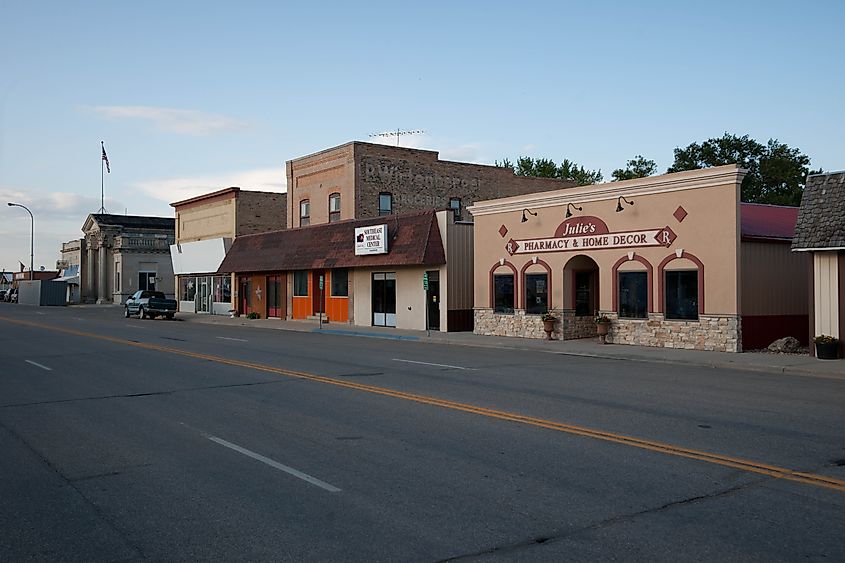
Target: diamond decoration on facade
503	231
680	213
665	236
512	246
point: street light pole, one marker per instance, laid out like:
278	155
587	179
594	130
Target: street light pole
31	237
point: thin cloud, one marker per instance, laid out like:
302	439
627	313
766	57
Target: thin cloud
182	121
177	189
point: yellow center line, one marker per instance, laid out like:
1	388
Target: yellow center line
718	459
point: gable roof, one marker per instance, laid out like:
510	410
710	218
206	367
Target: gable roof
413	239
821	220
758	221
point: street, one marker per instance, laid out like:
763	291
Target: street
125	439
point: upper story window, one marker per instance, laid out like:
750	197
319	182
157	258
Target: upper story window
304	213
455	206
385	203
334	208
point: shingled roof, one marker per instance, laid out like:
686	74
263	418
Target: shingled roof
821	220
413	239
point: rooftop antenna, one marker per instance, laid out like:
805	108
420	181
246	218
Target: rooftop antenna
398	133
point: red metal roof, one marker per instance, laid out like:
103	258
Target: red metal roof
413	239
767	221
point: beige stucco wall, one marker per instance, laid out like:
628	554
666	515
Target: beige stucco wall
409	294
709	231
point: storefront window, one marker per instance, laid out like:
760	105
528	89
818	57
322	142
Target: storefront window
682	295
633	295
187	288
536	294
222	289
300	283
503	293
340	282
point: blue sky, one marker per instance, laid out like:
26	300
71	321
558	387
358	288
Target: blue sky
190	96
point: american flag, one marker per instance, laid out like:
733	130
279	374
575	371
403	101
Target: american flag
105	157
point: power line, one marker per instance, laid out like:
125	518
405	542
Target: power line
398	134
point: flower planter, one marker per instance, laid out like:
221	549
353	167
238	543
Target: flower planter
602	328
549	328
827	351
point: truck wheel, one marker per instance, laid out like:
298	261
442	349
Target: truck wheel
168	316
141	313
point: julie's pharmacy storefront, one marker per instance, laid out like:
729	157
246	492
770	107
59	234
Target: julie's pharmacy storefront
662	257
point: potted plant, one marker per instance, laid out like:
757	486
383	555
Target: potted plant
549	319
827	347
602	326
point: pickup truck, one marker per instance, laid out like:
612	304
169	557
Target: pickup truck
152	304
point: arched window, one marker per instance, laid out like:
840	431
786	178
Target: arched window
503	290
681	287
304	213
538	287
334	207
633	287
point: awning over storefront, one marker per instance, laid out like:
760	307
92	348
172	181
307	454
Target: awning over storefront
412	239
70	275
200	257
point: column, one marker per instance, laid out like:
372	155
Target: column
102	280
89	276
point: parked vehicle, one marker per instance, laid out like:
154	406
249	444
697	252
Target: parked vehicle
3	294
150	304
12	296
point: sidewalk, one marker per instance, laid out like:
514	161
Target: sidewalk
751	361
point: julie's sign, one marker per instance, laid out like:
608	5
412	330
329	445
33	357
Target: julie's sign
371	240
590	233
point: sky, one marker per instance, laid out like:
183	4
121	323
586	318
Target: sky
194	96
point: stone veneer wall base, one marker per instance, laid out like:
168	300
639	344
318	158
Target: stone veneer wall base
721	333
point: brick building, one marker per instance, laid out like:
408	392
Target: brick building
363	180
206	225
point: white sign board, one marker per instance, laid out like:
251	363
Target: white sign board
371	240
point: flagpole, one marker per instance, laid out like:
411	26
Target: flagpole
102	180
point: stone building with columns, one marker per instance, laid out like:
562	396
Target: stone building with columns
120	254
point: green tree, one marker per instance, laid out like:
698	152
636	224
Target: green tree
546	168
776	172
637	167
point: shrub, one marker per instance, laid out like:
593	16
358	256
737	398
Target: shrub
253	315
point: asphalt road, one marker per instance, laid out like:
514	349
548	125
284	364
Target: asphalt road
124	439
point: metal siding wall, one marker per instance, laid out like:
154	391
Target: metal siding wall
826	293
460	263
774	279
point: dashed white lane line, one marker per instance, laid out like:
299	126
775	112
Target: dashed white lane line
275	464
234	339
430	364
36	364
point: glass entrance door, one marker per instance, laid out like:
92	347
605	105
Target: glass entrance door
203	295
384	299
274	296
